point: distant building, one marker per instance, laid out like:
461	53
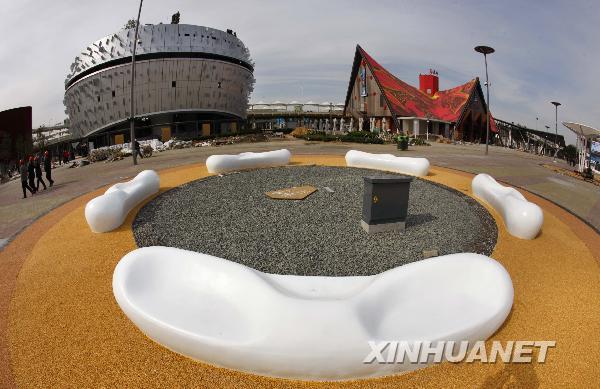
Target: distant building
377	100
190	81
15	135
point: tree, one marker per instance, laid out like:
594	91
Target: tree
131	23
175	18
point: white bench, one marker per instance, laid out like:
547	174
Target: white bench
522	218
388	162
315	328
107	212
234	162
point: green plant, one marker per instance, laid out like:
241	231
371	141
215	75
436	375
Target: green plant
319	136
402	142
362	137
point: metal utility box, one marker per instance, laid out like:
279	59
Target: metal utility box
385	203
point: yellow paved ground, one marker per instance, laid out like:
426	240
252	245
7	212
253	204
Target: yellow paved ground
66	330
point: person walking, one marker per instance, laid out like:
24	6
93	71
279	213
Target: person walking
136	149
48	168
38	174
24	174
31	174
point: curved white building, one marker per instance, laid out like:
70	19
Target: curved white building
190	81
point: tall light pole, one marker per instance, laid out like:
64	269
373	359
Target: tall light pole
556	104
485	50
547	130
132	107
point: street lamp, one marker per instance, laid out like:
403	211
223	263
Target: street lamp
485	50
556	104
547	130
132	106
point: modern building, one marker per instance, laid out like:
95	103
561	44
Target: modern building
281	115
377	100
190	81
56	139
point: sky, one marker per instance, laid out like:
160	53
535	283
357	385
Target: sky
303	50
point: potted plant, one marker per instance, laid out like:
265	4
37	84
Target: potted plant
402	142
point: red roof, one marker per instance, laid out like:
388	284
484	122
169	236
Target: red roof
406	100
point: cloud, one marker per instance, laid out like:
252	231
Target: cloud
304	50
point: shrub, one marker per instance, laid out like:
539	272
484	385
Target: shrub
418	142
300	132
320	136
355	136
362	137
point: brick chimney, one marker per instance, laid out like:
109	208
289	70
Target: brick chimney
429	83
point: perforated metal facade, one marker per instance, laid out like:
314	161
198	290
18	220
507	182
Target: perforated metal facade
179	68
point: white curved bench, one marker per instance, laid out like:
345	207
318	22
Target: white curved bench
107	212
388	162
234	162
522	218
318	328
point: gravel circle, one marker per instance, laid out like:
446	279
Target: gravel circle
230	217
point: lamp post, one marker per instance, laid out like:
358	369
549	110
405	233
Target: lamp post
132	106
330	114
485	50
547	130
556	104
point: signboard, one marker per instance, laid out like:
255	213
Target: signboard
363	81
165	134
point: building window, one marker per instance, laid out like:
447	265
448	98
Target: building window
381	100
113	93
98	98
173	84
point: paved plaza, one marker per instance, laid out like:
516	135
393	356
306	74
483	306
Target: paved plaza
513	167
59	322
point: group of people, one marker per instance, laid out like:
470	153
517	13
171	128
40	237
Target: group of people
65	157
31	173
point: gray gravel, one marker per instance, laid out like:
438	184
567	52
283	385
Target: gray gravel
231	217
